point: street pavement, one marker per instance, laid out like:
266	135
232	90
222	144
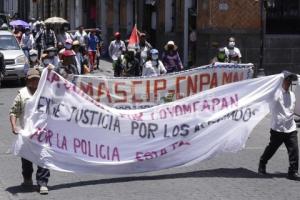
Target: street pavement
225	177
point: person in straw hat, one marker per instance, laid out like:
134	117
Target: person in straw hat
171	58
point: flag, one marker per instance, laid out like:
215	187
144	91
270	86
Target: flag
134	39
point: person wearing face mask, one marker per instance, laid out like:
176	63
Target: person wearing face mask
52	55
27	41
116	49
33	59
67	46
233	53
171	58
48	37
154	66
63	36
17	114
45	61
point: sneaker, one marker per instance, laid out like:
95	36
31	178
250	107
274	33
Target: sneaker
293	176
43	190
27	183
262	169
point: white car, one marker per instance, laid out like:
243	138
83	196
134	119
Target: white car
14	56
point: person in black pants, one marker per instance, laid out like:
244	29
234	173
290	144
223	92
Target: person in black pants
283	128
17	113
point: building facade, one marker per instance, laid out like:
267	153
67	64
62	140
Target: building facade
198	27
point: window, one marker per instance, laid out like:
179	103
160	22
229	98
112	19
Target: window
8	42
282	16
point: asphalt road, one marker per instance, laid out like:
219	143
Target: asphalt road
224	177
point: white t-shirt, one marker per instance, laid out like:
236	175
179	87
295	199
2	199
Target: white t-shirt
232	54
283	111
115	49
150	69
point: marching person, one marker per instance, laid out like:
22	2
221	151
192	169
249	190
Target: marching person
27	42
33	58
154	66
63	35
48	37
67	46
67	67
130	64
52	55
232	52
80	35
144	50
283	128
18	33
93	48
37	35
171	58
116	49
17	114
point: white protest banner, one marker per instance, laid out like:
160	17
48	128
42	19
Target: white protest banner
145	92
67	130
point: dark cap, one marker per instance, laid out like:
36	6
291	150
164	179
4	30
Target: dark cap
290	76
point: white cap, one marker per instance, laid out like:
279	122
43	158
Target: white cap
33	52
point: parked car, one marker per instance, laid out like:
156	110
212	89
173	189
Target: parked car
14	57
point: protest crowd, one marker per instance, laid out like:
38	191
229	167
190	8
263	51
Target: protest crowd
78	52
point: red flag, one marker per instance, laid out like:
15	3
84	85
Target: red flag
134	39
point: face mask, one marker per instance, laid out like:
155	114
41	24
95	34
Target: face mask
46	62
231	44
33	58
68	46
66	28
154	57
51	54
27	33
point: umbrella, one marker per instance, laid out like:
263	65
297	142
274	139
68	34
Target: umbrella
19	23
56	20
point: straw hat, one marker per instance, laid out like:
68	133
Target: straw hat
170	43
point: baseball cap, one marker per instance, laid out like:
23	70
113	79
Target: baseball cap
68	53
33	52
33	73
153	51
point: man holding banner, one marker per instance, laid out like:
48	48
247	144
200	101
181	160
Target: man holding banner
283	128
17	112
